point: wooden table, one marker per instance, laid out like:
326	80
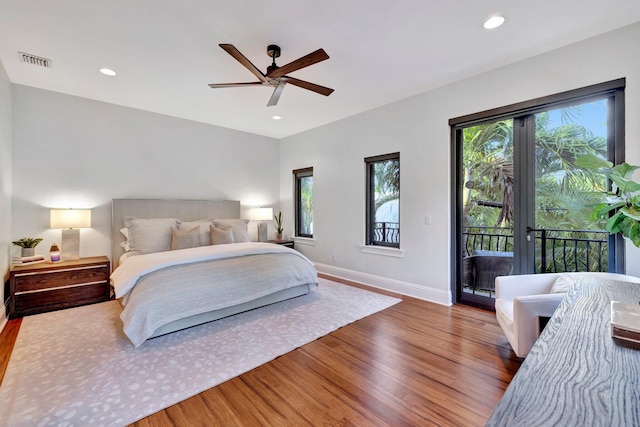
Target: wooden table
576	375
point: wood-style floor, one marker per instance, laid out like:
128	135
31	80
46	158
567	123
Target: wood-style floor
414	364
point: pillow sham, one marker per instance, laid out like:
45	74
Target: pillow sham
221	236
149	235
203	229
185	239
125	245
239	227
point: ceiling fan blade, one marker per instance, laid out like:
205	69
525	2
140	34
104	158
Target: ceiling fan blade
309	86
219	85
231	50
275	96
305	61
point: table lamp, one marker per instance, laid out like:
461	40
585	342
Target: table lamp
261	215
70	221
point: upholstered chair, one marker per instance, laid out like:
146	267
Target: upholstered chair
523	299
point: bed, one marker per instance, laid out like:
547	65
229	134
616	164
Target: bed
209	271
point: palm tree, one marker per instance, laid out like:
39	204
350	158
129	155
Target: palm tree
387	180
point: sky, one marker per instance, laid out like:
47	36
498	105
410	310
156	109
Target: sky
593	116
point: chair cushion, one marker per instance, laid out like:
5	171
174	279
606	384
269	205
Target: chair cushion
562	284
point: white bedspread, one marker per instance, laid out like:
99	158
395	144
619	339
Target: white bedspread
124	278
160	288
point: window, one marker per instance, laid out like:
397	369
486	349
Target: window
304	201
383	200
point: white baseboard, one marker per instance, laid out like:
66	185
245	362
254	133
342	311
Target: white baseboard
405	288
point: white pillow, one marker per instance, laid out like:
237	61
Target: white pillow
150	235
562	284
221	236
238	226
125	245
185	239
203	229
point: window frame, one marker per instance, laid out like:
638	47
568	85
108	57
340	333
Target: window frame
298	174
370	199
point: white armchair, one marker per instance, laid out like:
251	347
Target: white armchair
521	300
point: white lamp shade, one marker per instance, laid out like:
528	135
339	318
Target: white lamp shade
70	218
262	214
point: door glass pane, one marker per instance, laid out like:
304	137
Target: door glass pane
566	239
487	202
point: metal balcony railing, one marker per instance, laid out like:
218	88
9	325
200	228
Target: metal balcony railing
386	232
557	250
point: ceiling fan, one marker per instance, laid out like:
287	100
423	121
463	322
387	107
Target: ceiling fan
275	76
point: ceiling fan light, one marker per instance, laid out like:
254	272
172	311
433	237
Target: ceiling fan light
493	22
276	117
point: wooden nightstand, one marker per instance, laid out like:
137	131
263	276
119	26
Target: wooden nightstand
287	243
43	287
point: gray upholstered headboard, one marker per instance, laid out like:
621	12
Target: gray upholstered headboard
186	210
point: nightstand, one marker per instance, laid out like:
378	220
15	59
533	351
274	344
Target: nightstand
287	243
43	287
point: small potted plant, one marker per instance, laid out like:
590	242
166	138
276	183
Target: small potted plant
278	226
28	245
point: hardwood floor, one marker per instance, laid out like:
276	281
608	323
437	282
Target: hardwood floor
414	364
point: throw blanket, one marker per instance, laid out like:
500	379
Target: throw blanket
163	287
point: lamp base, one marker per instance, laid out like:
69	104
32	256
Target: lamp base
262	231
70	244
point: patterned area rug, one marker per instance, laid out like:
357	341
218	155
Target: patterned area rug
76	367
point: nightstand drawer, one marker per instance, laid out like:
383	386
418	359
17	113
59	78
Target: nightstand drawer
55	299
53	279
53	286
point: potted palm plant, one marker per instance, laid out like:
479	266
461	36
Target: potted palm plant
28	245
278	226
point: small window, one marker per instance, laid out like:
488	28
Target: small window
304	201
383	200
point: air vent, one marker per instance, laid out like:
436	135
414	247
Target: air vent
35	60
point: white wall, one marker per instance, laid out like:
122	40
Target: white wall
75	152
5	183
418	129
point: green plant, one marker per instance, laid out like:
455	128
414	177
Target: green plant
27	242
623	200
278	225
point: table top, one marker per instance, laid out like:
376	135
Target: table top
576	374
48	265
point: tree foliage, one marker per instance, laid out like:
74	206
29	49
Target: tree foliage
564	190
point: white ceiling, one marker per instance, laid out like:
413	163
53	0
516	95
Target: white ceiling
166	51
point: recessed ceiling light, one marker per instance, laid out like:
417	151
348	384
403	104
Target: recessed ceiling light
107	72
493	22
276	117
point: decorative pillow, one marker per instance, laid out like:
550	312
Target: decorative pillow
221	236
203	226
562	284
150	235
239	227
185	239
